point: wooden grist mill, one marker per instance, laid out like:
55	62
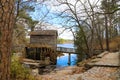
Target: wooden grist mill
43	44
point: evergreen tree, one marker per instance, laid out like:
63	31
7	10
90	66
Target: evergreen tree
6	30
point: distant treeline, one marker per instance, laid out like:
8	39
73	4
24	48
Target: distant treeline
63	41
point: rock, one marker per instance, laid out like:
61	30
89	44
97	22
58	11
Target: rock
102	54
35	71
47	60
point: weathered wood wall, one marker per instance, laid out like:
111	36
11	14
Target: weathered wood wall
50	40
43	44
47	37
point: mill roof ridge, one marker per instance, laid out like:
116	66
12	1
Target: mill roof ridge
44	32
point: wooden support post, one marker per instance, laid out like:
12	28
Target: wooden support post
26	52
41	53
69	59
35	53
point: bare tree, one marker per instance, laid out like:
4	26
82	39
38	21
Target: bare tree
109	9
74	16
94	23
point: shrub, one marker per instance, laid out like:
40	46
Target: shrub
18	71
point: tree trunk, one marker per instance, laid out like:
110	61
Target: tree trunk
107	37
6	28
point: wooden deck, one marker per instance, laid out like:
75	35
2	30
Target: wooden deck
34	63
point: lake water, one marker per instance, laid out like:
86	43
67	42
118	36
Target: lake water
62	61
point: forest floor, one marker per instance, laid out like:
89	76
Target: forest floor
106	67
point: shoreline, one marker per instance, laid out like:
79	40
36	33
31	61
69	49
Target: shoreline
81	72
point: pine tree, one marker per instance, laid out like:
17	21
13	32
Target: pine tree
6	30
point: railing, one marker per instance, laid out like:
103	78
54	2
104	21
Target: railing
66	50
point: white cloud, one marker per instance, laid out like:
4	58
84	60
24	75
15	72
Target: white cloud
66	35
61	33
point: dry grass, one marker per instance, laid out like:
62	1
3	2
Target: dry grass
114	44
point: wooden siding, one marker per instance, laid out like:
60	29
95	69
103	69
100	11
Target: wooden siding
47	37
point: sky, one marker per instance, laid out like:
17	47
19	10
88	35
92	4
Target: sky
65	35
47	13
51	21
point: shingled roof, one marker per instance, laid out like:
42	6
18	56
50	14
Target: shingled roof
44	32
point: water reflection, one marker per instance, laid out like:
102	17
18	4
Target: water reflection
62	61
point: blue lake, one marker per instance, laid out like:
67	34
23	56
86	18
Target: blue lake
62	61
